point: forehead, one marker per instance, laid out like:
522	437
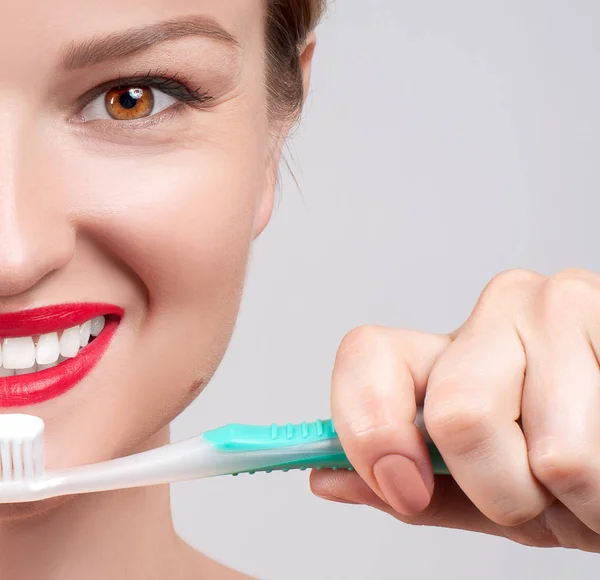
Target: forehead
30	29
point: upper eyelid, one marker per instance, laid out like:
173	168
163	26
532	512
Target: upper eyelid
142	80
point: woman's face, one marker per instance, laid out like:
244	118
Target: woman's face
146	196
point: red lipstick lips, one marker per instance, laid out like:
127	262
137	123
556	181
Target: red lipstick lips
27	389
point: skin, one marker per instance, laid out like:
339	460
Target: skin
160	220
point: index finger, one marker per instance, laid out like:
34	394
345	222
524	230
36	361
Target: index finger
379	378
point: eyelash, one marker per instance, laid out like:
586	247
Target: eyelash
161	80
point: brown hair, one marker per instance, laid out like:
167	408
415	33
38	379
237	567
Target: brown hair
289	22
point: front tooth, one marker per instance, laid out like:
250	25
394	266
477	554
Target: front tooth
69	342
18	353
25	371
48	349
97	325
6	372
84	333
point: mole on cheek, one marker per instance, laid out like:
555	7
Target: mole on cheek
197	386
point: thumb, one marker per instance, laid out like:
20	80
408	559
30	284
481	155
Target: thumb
449	506
344	487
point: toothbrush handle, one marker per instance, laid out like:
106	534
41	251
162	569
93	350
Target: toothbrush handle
285	447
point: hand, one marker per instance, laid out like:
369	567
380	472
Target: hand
511	399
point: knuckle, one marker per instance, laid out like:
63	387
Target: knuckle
566	290
360	340
563	469
369	436
366	439
511	281
459	426
505	291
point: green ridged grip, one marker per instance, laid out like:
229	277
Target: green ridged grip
238	438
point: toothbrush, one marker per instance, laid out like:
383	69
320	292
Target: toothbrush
228	450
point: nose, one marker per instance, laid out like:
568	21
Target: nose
36	237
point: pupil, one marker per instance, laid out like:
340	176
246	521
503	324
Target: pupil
129	99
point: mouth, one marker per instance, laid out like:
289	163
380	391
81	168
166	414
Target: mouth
45	352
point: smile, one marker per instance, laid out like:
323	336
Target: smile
44	352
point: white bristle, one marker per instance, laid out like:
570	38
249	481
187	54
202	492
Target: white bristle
6	460
28	460
21	447
17	460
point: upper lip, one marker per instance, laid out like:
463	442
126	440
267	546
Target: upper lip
52	318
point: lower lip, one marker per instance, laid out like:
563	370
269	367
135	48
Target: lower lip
28	389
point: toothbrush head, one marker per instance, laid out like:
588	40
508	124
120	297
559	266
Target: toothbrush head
21	448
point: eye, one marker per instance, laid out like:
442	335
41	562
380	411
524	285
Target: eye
127	103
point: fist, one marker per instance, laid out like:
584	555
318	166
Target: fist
511	400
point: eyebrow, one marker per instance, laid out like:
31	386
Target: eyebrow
125	43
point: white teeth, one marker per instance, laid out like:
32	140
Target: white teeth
97	325
47	349
84	333
69	342
21	356
18	353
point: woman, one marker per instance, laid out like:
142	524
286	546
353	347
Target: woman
139	151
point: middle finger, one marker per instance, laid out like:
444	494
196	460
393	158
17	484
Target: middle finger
472	406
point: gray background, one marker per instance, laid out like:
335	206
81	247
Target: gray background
443	143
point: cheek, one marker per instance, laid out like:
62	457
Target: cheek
176	219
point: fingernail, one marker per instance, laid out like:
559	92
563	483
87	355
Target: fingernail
402	484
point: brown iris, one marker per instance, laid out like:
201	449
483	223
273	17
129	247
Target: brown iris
129	103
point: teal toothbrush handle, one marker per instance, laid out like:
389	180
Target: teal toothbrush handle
285	447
